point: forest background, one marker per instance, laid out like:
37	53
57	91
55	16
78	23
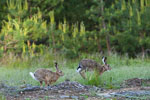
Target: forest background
73	27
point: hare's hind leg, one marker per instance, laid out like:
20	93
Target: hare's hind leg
41	82
82	73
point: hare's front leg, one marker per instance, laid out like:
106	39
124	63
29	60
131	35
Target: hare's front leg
49	82
45	83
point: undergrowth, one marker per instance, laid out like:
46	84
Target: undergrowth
15	70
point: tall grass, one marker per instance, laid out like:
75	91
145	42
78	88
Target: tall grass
15	71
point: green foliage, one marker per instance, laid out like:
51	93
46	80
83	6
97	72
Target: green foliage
121	26
93	79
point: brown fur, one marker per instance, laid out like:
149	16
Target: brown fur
91	65
47	75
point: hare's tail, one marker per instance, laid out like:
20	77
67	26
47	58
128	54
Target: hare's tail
32	75
79	68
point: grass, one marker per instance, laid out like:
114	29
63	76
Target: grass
15	71
2	97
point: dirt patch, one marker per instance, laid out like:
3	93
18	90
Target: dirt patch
65	90
135	82
75	91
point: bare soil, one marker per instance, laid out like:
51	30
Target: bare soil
131	89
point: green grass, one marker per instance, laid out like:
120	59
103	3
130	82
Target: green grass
2	97
16	71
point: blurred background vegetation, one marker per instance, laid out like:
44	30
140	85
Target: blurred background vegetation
72	27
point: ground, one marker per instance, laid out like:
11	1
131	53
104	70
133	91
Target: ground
131	89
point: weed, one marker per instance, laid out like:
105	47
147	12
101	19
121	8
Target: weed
85	96
27	99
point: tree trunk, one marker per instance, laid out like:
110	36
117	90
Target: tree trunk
108	44
104	26
53	41
143	52
99	45
142	47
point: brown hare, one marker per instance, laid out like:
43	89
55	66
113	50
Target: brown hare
91	65
46	75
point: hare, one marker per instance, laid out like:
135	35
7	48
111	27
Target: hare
91	65
46	75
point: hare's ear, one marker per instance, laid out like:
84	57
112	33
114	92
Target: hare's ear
56	65
104	59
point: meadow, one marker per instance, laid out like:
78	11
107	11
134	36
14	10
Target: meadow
36	33
14	70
